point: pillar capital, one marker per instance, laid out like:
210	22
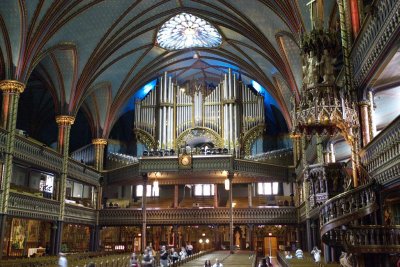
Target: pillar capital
99	141
363	103
65	120
230	175
12	86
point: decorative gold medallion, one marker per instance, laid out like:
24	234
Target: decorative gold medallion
185	161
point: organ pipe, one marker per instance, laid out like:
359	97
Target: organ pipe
231	110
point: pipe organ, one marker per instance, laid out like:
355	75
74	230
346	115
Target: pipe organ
168	115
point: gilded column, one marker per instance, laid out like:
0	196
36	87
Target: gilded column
364	110
11	92
230	177
144	214
99	145
215	195
176	196
250	194
64	123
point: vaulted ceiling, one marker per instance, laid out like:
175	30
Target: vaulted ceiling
94	54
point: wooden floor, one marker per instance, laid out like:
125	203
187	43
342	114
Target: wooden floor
239	259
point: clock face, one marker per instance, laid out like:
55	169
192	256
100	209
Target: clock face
185	161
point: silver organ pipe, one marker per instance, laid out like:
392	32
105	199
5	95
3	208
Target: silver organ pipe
231	110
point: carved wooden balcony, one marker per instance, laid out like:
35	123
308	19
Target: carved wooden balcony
79	214
381	157
83	173
368	238
29	206
347	207
326	181
377	33
287	215
254	168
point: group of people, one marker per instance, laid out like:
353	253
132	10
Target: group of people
216	264
167	257
265	262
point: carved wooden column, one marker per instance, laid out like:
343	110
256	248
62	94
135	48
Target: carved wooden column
11	92
250	194
230	177
364	111
64	123
144	214
99	144
215	195
251	231
371	115
176	196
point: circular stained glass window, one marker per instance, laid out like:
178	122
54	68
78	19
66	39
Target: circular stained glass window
187	31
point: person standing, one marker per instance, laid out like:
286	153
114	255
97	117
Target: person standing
174	255
217	263
62	261
163	257
189	249
207	263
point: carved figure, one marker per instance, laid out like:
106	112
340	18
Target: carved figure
326	64
345	260
317	254
305	68
312	69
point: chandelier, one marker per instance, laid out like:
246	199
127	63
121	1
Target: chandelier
323	108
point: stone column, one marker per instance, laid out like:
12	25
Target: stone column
64	123
53	238
320	148
215	195
309	234
144	214
99	145
365	130
176	196
230	177
313	234
250	194
11	92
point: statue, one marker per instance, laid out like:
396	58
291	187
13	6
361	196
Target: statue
312	71
305	69
345	260
327	67
317	254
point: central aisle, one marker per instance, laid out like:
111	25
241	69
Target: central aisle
239	259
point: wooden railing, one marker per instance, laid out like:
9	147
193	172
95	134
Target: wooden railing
381	157
29	206
379	29
347	207
278	215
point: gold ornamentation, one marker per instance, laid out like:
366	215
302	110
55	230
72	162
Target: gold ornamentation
12	86
251	136
145	138
99	141
185	161
65	120
207	132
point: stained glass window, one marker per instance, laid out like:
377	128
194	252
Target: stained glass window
187	31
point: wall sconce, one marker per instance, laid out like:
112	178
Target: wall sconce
201	241
207	241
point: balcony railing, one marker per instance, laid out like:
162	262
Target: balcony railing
347	207
78	214
286	215
379	29
381	157
29	206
